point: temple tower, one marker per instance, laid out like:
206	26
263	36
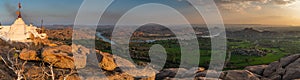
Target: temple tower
17	30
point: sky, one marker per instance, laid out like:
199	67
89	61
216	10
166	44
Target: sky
270	12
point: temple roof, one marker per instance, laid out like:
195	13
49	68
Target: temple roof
19	21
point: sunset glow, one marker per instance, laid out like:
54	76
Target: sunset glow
270	12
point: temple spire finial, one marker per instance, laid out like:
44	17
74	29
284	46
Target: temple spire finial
19	10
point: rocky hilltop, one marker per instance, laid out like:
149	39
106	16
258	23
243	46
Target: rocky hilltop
56	63
44	60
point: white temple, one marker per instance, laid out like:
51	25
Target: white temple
19	31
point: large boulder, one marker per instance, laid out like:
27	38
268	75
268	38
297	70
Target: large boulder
107	61
181	73
60	56
286	68
292	70
272	69
142	74
214	72
288	60
240	75
128	67
29	55
80	55
259	69
122	62
170	72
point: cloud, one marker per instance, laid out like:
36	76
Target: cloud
242	6
234	7
283	2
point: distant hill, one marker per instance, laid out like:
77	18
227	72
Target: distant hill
251	34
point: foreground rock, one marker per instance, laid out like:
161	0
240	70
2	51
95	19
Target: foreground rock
60	56
203	74
256	69
286	68
292	71
29	55
79	53
64	56
240	75
107	61
130	68
169	73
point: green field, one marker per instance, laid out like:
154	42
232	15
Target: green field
172	48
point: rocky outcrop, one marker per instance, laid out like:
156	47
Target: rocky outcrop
107	62
203	74
240	75
292	71
256	69
273	69
170	73
129	67
29	55
63	57
285	69
79	53
60	56
288	60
